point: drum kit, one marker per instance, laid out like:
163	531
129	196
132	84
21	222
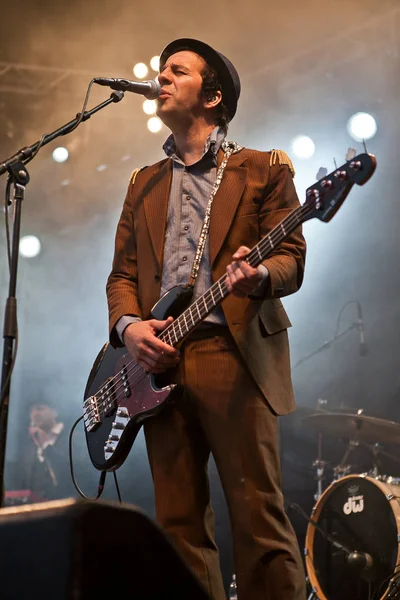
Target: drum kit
352	548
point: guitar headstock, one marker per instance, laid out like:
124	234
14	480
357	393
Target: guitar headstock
324	198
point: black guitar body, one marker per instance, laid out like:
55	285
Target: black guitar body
119	395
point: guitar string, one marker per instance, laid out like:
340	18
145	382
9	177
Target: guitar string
268	242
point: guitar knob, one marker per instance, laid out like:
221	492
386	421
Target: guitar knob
117	425
327	184
341	175
356	165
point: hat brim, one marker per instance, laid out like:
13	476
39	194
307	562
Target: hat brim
227	73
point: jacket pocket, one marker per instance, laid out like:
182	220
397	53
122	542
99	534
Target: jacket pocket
273	317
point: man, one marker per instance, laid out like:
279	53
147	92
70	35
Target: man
234	368
46	463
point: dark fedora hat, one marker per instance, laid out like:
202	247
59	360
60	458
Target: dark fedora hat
227	74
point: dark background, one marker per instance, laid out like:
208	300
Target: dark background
305	68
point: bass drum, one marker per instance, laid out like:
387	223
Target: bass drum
362	514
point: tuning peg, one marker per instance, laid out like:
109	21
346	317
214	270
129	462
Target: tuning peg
351	153
322	172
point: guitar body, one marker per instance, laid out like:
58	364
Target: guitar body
120	396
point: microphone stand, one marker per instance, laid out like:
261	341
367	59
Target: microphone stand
19	177
323	346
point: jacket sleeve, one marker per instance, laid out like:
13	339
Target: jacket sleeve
286	263
122	282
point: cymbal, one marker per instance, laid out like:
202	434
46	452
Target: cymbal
355	427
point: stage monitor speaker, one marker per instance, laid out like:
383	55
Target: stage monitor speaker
83	550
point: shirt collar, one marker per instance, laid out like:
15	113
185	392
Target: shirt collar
212	144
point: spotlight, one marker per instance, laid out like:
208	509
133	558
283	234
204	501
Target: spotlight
155	63
140	70
60	154
362	126
154	124
303	146
149	107
29	246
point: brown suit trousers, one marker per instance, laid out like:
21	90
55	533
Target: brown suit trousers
223	411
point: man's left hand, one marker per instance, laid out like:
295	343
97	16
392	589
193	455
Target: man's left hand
242	279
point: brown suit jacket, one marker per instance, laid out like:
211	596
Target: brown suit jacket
253	198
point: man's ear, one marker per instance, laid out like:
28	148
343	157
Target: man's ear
213	100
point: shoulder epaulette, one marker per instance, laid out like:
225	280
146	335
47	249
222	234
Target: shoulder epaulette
134	174
283	159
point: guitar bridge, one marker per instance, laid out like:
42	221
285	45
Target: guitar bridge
101	405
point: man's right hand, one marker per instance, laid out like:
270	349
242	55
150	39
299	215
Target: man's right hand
153	355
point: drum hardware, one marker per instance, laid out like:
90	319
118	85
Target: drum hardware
341	471
343	468
319	465
362	513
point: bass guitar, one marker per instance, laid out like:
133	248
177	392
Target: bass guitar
120	395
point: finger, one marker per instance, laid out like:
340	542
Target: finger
160	325
154	366
250	273
230	278
237	273
241	253
157	354
160	347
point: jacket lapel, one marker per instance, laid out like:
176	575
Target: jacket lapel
156	196
226	201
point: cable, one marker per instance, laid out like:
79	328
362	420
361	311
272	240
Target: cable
79	121
7	203
340	315
117	487
103	474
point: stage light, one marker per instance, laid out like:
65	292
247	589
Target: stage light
303	146
102	167
149	107
60	154
140	70
155	63
29	246
362	126
154	124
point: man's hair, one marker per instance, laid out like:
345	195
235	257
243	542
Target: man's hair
210	86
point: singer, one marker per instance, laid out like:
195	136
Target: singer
234	369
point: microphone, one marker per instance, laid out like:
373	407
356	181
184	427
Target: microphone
360	560
360	325
149	89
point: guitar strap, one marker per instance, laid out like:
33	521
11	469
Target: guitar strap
229	148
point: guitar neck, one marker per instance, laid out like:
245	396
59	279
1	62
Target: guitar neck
202	307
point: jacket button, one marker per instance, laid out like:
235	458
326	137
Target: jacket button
157	278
